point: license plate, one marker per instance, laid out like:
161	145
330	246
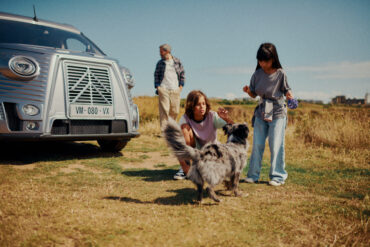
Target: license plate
90	111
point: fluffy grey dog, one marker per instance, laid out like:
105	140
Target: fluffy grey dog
214	163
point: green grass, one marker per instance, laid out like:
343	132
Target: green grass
159	165
75	195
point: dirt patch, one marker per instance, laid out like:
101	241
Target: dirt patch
24	167
75	167
72	168
150	160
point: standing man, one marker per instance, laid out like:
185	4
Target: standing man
169	78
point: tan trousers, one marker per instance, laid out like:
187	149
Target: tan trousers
169	104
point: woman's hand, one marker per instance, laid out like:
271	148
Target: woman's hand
248	91
289	95
223	113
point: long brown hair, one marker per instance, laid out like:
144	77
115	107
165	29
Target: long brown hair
192	100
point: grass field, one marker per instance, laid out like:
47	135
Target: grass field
73	194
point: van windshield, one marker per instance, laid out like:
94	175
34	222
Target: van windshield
33	34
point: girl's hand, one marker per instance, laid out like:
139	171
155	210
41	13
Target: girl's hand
246	89
223	113
289	95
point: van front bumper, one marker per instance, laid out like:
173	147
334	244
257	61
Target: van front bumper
49	137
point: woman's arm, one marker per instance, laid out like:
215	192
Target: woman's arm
223	113
248	91
289	95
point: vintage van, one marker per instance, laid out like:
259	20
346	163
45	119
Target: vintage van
56	84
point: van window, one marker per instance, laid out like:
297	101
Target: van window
76	45
35	34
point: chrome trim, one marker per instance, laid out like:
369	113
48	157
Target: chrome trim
12	17
135	117
33	90
38	137
2	116
17	75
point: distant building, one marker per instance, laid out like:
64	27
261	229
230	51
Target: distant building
342	100
367	98
355	101
339	100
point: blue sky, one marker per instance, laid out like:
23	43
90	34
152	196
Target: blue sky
323	45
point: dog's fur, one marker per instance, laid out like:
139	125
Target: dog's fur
214	163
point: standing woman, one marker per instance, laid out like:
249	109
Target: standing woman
269	81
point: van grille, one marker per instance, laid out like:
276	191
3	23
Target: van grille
85	127
88	85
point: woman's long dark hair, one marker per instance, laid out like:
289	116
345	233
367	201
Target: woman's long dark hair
266	52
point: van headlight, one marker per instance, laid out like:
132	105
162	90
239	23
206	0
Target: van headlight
25	68
30	110
128	77
32	126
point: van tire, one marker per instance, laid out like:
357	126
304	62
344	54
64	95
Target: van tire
112	145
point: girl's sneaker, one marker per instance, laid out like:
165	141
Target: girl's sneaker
275	183
180	175
248	180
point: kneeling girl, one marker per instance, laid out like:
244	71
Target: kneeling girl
199	125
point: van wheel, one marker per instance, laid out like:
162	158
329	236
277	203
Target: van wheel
112	145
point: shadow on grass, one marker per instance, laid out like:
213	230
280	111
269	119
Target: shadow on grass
151	175
23	153
184	196
262	182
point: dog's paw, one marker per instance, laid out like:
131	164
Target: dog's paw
244	195
216	199
240	194
212	194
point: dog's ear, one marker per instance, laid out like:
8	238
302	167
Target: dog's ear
243	131
227	128
246	130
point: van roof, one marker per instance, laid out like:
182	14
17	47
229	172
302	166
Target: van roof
20	18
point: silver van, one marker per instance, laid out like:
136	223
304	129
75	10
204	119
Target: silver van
56	84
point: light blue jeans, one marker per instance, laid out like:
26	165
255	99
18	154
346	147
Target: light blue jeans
275	131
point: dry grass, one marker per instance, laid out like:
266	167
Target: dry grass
337	128
72	194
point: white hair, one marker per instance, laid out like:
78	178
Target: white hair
166	47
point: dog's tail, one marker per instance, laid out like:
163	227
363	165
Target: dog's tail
175	139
